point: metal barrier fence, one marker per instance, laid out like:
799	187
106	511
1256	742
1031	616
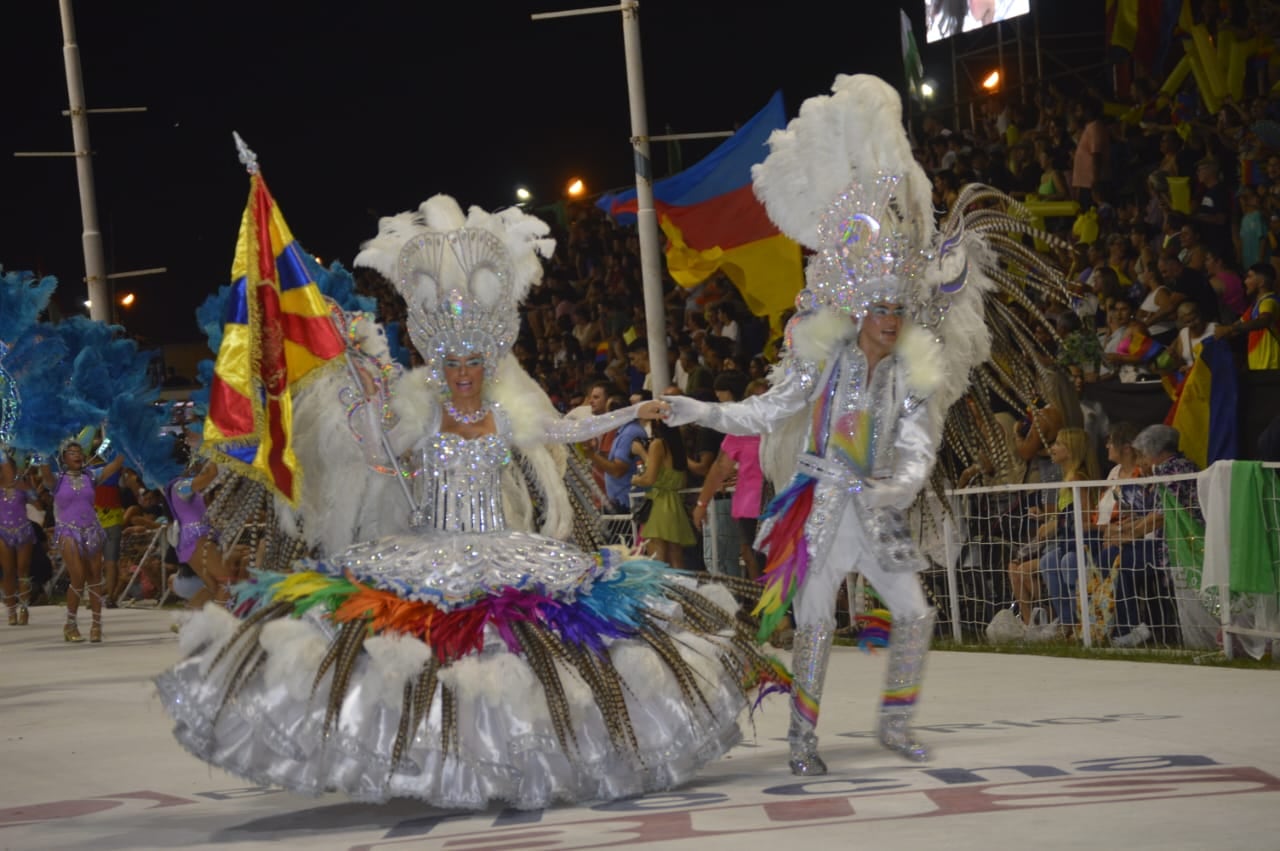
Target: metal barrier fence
1169	561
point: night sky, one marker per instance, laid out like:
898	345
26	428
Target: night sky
362	110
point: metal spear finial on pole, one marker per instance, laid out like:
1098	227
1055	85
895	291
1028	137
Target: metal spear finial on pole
247	157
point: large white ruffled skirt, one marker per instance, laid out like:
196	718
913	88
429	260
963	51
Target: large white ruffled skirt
247	696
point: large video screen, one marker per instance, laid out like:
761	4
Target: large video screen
945	18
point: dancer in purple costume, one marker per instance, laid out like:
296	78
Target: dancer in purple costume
16	540
79	536
197	542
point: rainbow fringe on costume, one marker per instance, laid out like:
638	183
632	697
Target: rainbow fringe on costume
788	548
617	606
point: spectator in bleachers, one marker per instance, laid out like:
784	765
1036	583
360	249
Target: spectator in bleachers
1073	453
1120	257
1261	321
1191	247
1227	285
1186	284
1058	407
1024	172
714	352
1252	235
1193	330
1213	208
1156	310
1091	166
1052	184
1128	350
638	359
698	379
1144	566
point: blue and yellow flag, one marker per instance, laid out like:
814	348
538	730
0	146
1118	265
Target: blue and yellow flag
713	220
277	334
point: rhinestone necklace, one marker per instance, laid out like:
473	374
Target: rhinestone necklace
468	419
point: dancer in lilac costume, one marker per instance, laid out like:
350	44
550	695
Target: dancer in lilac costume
16	539
79	536
197	541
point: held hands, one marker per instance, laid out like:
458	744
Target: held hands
682	410
653	410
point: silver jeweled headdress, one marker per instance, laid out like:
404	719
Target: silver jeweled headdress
457	287
462	276
863	256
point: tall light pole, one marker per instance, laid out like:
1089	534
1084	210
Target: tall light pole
95	266
646	217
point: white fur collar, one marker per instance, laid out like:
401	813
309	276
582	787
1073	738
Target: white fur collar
815	338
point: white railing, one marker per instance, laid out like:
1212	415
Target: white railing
1180	603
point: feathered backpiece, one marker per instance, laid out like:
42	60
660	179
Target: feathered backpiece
462	276
841	180
35	411
22	300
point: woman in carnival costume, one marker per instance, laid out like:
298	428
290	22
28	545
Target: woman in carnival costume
860	398
199	544
435	649
53	379
17	537
78	536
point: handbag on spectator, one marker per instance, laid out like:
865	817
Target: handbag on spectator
642	511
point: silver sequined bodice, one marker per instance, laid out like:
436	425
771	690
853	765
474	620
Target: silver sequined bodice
458	488
460	548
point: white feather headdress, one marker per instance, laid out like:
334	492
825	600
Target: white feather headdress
841	180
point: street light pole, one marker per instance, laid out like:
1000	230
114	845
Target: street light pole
646	218
95	266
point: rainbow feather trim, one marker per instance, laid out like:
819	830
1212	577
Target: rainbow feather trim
773	679
873	629
788	548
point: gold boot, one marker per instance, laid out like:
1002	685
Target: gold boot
71	633
13	616
95	633
23	616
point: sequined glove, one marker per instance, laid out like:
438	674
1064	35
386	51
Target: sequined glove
685	410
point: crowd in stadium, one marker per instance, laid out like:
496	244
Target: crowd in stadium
1172	215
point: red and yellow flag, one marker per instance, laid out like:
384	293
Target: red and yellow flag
277	333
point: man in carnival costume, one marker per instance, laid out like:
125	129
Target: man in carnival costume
860	397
